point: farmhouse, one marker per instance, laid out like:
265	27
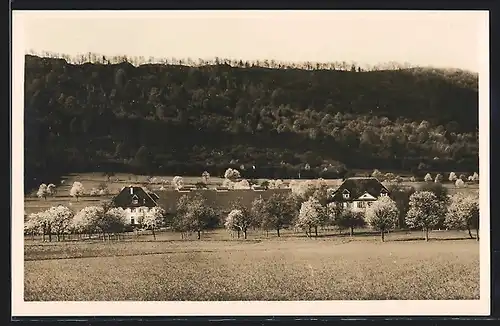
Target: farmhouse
135	201
358	193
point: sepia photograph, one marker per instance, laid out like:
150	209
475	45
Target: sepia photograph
250	162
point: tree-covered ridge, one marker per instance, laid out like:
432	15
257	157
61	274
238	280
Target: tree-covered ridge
187	117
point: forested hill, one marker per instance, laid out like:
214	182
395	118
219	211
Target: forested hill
173	119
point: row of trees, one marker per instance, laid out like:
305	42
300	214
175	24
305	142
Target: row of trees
96	58
425	213
103	220
306	208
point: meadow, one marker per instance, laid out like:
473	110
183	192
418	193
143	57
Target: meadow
331	267
33	204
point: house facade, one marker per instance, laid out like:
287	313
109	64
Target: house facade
136	201
358	193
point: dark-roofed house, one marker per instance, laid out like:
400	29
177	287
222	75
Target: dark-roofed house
136	201
358	193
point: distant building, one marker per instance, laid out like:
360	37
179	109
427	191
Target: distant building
136	201
358	193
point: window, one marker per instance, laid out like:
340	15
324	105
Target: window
383	194
135	200
345	193
132	221
361	204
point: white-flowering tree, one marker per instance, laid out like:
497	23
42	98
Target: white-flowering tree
94	192
32	225
475	177
389	176
42	191
177	182
311	215
428	177
60	217
242	184
276	184
413	179
84	222
228	184
459	183
463	213
452	177
44	222
382	215
51	189
347	218
303	189
116	219
232	174
205	177
193	214
425	211
153	219
77	190
103	189
239	220
439	178
109	220
378	175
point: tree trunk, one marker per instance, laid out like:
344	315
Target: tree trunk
267	233
278	230
382	234
154	235
238	233
50	236
470	233
316	231
245	233
477	234
351	231
58	237
43	236
426	234
310	228
199	234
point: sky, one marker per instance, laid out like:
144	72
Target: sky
445	39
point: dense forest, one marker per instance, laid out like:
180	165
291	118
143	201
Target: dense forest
269	119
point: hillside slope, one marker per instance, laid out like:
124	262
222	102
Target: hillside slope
177	119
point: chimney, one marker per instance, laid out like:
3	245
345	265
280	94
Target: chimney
131	190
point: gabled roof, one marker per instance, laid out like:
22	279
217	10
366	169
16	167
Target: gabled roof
125	198
357	187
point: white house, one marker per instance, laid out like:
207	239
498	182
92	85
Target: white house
136	202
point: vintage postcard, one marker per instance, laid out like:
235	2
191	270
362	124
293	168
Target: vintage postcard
234	163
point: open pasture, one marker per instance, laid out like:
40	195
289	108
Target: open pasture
119	180
218	267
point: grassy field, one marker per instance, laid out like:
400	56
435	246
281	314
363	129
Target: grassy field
293	267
